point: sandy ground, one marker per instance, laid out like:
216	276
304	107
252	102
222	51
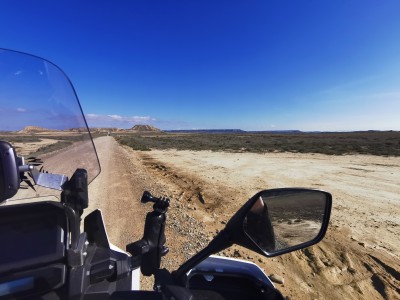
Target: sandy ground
365	189
25	149
360	257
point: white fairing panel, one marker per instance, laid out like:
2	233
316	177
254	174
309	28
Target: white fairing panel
136	280
220	264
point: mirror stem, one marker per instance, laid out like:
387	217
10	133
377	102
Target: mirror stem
219	243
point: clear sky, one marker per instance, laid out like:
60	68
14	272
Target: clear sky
253	65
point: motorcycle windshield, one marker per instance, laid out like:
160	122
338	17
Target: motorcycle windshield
43	120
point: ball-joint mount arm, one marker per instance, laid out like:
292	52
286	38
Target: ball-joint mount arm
148	251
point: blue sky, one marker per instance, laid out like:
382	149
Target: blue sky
253	65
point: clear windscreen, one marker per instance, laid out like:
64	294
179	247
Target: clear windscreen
42	119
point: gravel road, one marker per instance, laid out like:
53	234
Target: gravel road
117	192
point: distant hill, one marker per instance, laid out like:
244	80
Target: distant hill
136	128
35	129
277	131
105	129
206	131
144	128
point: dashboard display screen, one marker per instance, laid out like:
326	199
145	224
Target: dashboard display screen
31	235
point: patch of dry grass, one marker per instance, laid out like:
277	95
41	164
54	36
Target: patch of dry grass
385	143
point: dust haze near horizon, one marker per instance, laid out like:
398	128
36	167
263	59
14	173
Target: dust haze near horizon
320	66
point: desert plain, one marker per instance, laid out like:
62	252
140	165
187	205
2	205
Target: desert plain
360	255
358	259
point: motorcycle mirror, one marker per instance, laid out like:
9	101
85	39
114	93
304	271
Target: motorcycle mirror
278	221
272	222
9	175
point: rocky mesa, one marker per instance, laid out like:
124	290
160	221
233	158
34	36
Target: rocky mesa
34	129
145	128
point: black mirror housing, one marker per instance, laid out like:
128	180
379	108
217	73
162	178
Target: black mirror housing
9	174
279	221
277	201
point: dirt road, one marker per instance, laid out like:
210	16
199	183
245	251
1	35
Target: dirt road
359	259
117	192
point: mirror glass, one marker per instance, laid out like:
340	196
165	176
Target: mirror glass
281	219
